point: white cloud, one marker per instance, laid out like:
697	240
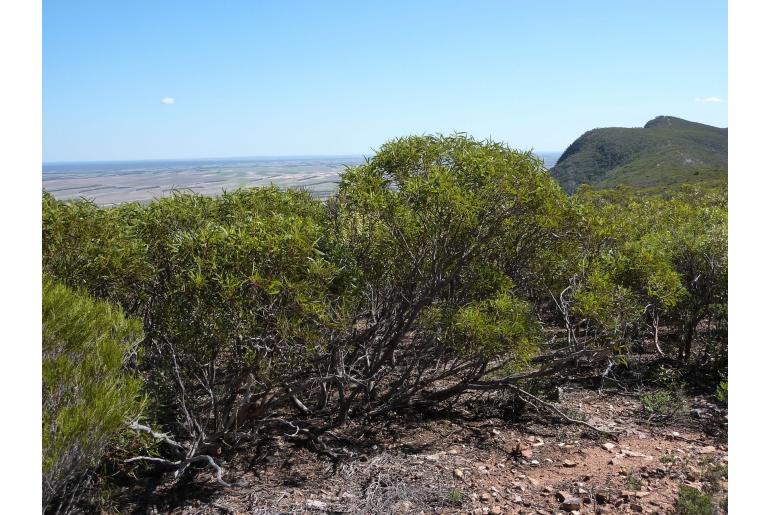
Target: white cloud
708	100
167	101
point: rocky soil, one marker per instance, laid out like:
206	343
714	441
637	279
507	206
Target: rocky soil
472	461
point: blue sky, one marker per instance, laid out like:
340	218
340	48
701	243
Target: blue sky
252	78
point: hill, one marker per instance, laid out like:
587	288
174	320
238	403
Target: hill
667	151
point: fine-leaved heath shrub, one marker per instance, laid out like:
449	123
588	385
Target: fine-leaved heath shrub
87	394
692	501
662	403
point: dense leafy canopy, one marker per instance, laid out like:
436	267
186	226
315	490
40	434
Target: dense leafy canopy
438	267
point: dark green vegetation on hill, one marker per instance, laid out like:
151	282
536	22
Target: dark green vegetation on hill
667	151
442	266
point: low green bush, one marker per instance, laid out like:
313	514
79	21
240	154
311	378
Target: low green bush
87	393
440	265
663	402
692	501
721	392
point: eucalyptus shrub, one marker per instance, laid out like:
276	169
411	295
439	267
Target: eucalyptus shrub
88	395
640	262
243	302
698	239
624	279
238	294
432	271
96	249
440	231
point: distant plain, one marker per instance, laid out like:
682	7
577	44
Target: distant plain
113	182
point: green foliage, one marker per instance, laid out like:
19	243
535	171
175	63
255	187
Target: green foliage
87	394
721	392
244	291
455	496
692	501
637	262
663	402
667	152
613	270
496	326
433	268
712	476
443	233
236	292
95	249
249	297
633	483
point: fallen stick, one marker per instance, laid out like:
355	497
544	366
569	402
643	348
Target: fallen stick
181	464
536	400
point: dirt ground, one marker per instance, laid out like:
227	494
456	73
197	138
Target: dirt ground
471	460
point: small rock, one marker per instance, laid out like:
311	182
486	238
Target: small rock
453	451
709	449
496	510
608	446
485	497
570	504
633	454
458	473
562	496
517	498
569	463
534	462
315	505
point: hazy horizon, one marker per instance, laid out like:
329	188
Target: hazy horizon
254	157
114	182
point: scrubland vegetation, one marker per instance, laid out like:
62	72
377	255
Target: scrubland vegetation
442	266
665	153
